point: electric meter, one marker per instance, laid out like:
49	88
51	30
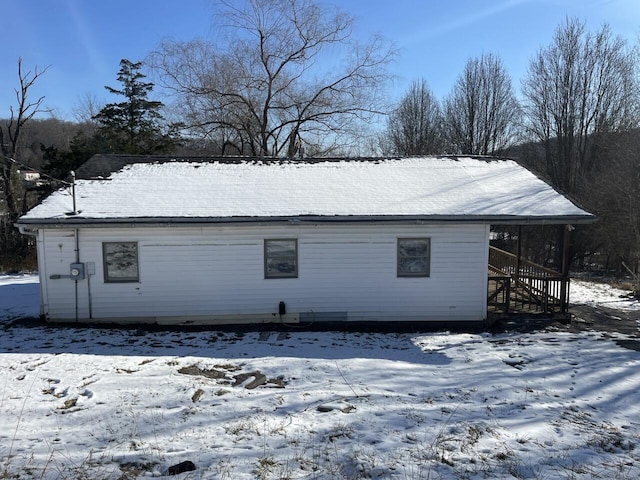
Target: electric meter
77	271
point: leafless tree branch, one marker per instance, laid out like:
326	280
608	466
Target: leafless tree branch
274	77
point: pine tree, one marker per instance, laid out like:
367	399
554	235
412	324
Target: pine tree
135	125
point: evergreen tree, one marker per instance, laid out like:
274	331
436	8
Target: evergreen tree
58	163
134	125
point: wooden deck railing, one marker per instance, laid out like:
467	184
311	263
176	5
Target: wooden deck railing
508	263
499	294
531	288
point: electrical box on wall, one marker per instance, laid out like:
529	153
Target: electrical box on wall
76	271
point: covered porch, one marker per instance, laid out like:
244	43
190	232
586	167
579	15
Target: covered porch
519	286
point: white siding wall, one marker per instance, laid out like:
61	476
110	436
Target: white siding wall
214	273
58	247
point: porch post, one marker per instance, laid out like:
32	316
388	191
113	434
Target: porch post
515	279
518	251
564	301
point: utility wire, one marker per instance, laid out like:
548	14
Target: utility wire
41	173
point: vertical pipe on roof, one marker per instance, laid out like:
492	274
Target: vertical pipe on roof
73	192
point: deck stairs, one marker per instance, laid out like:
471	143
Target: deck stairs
520	286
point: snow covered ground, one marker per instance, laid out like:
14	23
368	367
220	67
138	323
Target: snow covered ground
601	295
128	403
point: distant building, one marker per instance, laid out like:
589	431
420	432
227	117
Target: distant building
31	178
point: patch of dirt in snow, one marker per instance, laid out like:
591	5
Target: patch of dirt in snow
585	318
248	380
208	373
608	320
605	319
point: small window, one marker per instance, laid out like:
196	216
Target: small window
281	258
120	261
413	257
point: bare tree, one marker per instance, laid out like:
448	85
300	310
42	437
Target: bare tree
613	193
580	85
86	108
278	79
11	130
415	126
10	133
481	113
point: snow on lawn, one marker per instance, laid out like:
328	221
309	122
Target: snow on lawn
129	403
18	296
602	294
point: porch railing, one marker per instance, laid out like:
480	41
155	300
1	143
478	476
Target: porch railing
508	263
529	288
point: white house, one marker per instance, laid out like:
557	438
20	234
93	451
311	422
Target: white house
29	175
242	240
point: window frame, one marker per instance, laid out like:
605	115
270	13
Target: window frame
270	276
399	258
105	264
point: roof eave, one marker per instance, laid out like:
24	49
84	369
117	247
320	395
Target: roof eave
75	221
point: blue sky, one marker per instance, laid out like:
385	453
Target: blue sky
82	41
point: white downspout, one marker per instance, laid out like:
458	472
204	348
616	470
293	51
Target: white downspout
76	235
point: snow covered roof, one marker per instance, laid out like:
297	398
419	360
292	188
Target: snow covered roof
204	189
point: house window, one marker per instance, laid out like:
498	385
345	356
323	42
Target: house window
120	261
414	257
281	258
